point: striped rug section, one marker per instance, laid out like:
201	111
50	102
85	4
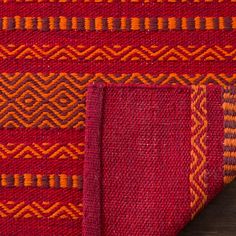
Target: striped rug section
229	106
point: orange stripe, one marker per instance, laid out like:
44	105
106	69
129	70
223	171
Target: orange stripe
209	23
172	23
98	23
135	23
63	22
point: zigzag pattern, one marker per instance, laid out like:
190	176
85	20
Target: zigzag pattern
117	52
229	107
39	151
198	184
58	100
43	210
41	104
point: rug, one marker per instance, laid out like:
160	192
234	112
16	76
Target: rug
155	156
51	50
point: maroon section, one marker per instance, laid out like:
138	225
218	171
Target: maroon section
25	227
118	67
41	194
28	136
184	38
145	160
215	139
42	166
117	9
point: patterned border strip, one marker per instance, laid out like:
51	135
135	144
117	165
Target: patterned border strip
198	185
40	210
229	107
117	24
118	52
41	181
16	85
12	82
112	1
39	151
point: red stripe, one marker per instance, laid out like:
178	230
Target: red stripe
42	166
28	136
118	10
121	38
41	227
118	67
41	194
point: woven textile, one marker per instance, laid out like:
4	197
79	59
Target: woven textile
155	156
51	50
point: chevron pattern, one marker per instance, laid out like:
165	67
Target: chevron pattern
198	184
58	100
39	151
229	101
117	52
43	210
45	104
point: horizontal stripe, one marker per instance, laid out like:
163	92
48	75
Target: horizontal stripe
229	148
112	1
43	150
40	210
82	53
128	10
230	122
43	166
116	24
228	179
184	38
13	82
229	161
39	136
230	154
41	181
230	135
230	173
230	168
230	131
230	142
230	107
180	67
21	87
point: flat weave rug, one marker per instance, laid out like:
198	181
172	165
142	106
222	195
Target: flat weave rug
155	154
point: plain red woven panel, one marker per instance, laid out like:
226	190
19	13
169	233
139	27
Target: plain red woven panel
145	161
154	157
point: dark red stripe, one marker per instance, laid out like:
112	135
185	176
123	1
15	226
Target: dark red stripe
171	38
35	226
118	10
118	67
41	194
28	136
42	166
215	138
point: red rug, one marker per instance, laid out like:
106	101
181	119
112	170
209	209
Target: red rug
51	50
155	156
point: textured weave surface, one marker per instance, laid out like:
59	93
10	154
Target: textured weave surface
153	157
50	50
